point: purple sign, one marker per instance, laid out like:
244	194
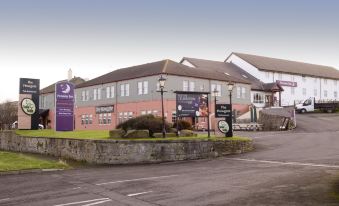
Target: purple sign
287	83
64	106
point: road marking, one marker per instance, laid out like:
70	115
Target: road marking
140	179
286	163
75	188
5	199
96	203
140	193
85	201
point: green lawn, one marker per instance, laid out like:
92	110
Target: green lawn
104	134
11	161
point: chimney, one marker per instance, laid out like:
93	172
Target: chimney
70	74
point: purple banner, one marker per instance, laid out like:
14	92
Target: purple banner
64	106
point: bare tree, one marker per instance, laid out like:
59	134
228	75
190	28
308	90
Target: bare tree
8	114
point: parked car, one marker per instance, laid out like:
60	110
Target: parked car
15	125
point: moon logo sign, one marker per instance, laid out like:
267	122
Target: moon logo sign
65	88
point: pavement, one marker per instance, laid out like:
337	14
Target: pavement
287	168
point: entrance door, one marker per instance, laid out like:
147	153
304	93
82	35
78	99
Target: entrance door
268	100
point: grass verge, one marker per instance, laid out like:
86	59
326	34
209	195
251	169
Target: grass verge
104	134
12	161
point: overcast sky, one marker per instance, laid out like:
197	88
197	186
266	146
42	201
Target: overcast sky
43	39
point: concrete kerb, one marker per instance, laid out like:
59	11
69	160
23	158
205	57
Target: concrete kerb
123	151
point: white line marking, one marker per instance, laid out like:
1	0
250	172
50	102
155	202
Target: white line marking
140	179
140	193
86	201
5	199
96	203
286	163
75	188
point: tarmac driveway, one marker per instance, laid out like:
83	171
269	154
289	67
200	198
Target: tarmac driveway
287	168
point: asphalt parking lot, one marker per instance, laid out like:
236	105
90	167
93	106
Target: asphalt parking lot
287	168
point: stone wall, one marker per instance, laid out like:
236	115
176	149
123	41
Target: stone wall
273	118
122	151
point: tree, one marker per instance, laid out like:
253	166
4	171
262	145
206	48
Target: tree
8	114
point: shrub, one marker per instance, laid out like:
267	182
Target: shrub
182	124
117	133
187	133
137	134
150	122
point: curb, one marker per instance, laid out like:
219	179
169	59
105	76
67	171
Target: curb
17	172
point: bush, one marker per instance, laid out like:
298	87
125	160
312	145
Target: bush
137	134
117	133
187	133
145	122
182	124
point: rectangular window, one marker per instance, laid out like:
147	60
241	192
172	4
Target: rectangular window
315	92
99	93
185	85
87	95
315	80
258	98
143	112
100	119
292	90
95	94
335	82
243	92
108	92
325	81
122	90
130	115
335	94
325	93
238	92
126	90
90	119
83	119
304	78
83	95
149	112
218	87
125	116
158	86
304	91
139	88
267	74
86	119
145	88
292	77
120	117
174	116
112	91
192	86
109	118
104	119
280	76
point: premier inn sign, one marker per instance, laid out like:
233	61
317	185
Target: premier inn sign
28	108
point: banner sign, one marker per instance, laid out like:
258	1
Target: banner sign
64	106
222	110
287	83
192	104
104	109
28	107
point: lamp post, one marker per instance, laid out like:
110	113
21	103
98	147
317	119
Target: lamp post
230	86
162	81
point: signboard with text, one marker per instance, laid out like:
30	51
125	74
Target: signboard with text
64	106
190	104
222	110
28	108
287	83
104	109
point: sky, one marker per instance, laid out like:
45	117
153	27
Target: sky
42	39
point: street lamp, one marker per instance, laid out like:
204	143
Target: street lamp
230	86
162	81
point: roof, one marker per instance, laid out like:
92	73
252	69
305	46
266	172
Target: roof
51	88
293	67
156	68
234	71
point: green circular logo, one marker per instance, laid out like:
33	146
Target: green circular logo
223	126
28	106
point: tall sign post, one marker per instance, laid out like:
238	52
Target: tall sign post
192	104
28	108
224	111
64	106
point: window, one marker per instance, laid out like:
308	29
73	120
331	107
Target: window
315	92
243	92
292	77
109	118
95	94
335	82
292	90
90	120
185	85
238	92
112	91
315	80
86	119
120	117
304	78
106	118
280	76
143	112
143	87
124	90
174	116
267	74
192	86
83	95
335	94
149	112
325	93
87	95
304	91
130	115
158	86
258	98
325	81
99	93
108	92
218	87
83	119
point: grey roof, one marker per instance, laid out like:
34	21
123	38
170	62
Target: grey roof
234	71
156	68
51	88
293	67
